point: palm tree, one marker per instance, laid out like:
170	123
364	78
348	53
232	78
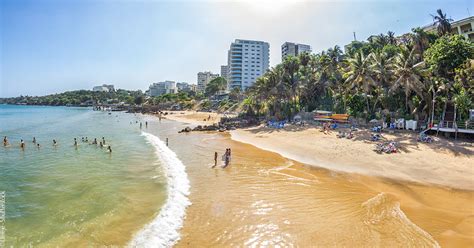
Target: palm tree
443	24
391	38
420	41
216	85
381	66
407	72
291	78
360	74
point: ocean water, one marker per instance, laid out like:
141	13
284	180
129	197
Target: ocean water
85	196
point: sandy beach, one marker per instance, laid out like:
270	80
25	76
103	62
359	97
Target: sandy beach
444	162
194	117
265	199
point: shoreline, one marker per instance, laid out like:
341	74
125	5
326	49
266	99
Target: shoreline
427	164
444	162
419	212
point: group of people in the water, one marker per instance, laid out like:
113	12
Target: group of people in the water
226	158
101	143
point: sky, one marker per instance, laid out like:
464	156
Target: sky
51	46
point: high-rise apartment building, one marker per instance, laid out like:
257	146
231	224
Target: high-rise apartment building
293	49
247	60
224	70
203	78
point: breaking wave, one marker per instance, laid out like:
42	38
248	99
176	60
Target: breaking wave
163	231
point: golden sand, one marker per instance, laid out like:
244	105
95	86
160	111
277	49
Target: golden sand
444	162
264	199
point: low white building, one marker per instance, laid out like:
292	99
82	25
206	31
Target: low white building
161	88
463	27
184	87
293	49
104	88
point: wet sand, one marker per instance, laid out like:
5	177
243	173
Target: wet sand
264	199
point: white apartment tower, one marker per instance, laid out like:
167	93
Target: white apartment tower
203	78
247	60
293	49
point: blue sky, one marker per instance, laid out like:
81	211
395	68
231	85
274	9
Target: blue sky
54	46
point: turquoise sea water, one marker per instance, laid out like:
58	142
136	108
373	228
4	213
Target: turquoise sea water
72	196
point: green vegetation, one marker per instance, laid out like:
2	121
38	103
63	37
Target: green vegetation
78	98
416	75
215	86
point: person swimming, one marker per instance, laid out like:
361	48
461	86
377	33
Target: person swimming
5	141
34	140
109	149
95	141
38	145
55	143
82	139
101	144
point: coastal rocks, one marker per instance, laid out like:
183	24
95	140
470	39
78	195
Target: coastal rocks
207	128
185	130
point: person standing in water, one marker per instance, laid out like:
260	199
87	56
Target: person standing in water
95	141
75	142
101	144
5	141
103	140
109	149
146	124
215	159
34	140
55	143
226	158
38	146
22	144
140	125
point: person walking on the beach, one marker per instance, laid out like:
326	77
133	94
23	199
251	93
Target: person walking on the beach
215	159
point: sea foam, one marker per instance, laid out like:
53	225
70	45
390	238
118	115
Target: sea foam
163	231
